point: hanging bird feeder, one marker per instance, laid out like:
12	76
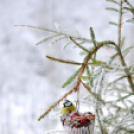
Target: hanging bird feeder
75	123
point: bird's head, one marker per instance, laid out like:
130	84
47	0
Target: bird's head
67	103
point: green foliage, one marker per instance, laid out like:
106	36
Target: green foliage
63	61
80	46
112	58
46	39
71	78
85	77
92	36
125	52
122	41
112	9
113	1
129	9
113	23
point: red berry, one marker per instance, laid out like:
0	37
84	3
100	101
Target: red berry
83	121
73	114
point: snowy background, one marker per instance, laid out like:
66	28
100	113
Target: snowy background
29	82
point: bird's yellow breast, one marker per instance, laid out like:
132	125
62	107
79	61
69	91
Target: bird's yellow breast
67	110
72	108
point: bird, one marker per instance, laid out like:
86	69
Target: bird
68	107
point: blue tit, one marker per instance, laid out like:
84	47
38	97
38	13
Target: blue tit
68	107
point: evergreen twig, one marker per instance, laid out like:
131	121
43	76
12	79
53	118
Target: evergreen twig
63	61
55	104
83	48
120	24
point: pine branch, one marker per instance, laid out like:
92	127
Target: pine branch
126	70
87	87
113	1
122	98
46	39
88	57
71	78
116	80
93	40
102	64
54	105
128	3
83	48
112	9
57	32
63	61
48	110
120	24
99	121
92	36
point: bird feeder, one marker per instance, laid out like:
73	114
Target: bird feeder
75	123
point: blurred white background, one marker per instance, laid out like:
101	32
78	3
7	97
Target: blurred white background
29	82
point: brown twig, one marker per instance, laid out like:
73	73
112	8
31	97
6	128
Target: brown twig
87	87
87	59
54	105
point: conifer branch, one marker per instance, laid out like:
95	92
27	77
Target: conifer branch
103	64
88	57
71	78
120	24
87	87
83	48
124	65
126	70
93	40
48	110
113	1
92	36
57	32
128	3
116	80
96	96
54	105
63	61
99	121
120	99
